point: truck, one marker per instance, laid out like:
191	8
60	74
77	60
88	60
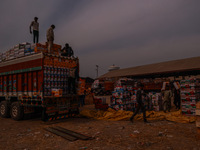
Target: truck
101	87
38	83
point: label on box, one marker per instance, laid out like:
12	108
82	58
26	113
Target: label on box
197	112
198	121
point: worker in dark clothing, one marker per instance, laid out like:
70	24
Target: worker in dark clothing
72	81
140	103
82	98
177	100
67	51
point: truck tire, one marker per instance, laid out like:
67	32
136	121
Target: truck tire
4	109
16	111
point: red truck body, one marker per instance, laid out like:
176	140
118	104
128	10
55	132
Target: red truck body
26	83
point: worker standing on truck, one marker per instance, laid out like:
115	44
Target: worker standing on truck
35	26
50	38
67	51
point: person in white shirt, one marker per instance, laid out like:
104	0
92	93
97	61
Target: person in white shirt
50	37
35	25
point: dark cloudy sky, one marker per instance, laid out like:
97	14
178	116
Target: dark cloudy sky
126	33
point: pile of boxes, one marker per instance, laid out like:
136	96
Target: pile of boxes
18	50
155	102
124	96
56	74
190	94
198	118
25	49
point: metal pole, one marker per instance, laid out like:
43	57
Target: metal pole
97	70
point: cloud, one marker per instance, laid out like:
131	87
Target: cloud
126	33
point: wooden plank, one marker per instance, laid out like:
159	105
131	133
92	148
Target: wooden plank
72	133
59	133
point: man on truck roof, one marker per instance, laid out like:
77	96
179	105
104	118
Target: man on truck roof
35	26
50	38
67	51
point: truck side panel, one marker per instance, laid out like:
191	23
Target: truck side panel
35	83
14	84
25	83
40	83
5	85
19	84
10	85
30	84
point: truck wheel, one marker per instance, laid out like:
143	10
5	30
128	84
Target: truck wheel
4	109
16	111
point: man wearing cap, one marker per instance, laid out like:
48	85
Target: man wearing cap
140	103
35	26
50	38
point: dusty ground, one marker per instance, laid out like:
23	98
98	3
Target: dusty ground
108	135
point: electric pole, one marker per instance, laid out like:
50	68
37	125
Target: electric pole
97	70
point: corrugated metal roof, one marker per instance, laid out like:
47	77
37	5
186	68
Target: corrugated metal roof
187	64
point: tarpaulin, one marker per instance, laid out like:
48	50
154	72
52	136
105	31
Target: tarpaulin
113	115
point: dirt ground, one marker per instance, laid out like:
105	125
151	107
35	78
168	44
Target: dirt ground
108	135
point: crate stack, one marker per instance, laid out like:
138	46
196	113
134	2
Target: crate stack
25	49
155	101
56	74
100	103
190	94
18	50
124	96
198	118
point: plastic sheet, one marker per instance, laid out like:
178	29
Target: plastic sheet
113	115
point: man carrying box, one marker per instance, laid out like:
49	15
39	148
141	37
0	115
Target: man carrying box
50	38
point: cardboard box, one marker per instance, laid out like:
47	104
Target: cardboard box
198	122
197	112
56	92
198	105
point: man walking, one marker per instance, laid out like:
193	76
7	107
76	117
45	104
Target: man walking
35	26
50	38
140	103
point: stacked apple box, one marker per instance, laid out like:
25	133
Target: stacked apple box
198	118
190	94
124	96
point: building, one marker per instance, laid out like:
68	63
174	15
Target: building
170	69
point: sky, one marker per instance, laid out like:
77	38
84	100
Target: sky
125	33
